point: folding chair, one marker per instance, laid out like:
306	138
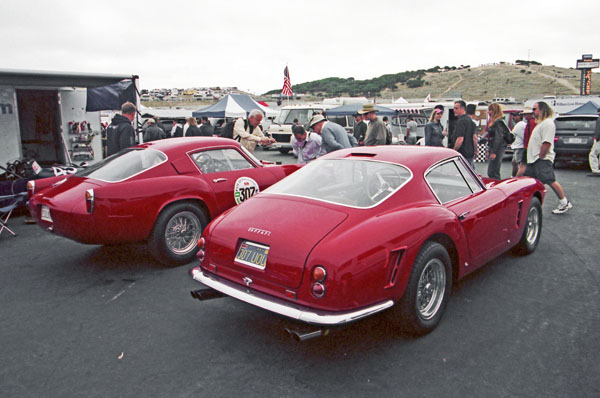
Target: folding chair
9	203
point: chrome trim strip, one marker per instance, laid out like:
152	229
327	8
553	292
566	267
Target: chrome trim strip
285	308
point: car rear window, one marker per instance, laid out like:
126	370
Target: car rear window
575	124
349	182
124	165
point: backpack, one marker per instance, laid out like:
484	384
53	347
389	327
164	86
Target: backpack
227	131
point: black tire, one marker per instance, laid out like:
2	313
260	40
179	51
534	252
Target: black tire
284	150
174	238
533	229
415	313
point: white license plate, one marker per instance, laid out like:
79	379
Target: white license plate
576	140
252	254
46	214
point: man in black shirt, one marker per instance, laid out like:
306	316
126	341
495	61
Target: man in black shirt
120	133
464	133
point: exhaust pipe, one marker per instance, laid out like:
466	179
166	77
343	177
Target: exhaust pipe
302	335
206	294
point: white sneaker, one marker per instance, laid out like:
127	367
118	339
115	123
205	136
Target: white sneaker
562	208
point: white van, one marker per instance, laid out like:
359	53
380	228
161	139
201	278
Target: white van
281	128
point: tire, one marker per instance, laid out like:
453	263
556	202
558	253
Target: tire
533	229
429	285
284	150
175	234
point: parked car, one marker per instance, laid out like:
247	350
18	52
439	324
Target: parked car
163	192
367	229
574	137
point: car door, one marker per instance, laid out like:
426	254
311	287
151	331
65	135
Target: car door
232	177
482	212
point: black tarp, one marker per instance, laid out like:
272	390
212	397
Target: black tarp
111	97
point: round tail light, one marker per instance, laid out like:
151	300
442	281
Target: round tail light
318	290
319	274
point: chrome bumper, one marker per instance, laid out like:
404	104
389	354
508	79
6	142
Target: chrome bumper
283	307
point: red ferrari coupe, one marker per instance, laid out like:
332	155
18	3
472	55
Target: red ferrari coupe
366	229
163	192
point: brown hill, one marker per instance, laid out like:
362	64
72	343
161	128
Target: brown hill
498	80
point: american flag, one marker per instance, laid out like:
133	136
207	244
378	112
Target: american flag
287	85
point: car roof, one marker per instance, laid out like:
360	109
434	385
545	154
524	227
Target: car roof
416	157
186	144
590	116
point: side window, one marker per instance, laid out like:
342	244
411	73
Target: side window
447	182
219	160
236	160
469	178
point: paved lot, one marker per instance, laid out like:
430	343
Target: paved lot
96	321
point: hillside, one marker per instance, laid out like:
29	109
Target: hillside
483	82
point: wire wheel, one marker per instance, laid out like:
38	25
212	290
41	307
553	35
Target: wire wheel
533	225
182	232
431	288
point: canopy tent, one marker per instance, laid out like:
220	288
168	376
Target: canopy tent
589	108
233	105
351	109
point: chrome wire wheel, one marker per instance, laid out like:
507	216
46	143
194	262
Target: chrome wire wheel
533	225
431	288
182	232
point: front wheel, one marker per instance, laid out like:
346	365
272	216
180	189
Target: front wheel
284	150
176	232
533	229
429	285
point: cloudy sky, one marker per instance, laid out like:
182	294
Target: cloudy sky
177	43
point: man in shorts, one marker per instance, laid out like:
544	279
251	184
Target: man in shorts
540	154
519	157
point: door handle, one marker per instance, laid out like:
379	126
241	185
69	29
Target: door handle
463	215
217	180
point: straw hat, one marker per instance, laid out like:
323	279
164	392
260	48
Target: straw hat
316	119
367	108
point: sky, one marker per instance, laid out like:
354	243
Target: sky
247	44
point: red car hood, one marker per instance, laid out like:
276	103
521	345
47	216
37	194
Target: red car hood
290	227
68	194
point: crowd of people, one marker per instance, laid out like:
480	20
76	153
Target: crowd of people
531	139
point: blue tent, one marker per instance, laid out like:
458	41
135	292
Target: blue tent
589	108
351	109
233	105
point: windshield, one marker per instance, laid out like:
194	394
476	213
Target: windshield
349	182
287	116
124	165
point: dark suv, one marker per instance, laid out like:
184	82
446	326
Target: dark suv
574	137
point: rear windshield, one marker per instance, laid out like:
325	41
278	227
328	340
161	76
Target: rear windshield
575	124
349	182
124	165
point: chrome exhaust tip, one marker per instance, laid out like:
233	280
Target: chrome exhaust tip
302	335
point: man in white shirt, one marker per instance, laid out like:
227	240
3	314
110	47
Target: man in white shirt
518	160
540	154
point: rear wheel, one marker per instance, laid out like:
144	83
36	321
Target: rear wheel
421	308
533	228
176	232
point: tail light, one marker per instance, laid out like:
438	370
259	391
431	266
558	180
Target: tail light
30	188
318	276
89	200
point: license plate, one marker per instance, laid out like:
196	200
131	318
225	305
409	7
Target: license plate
46	214
252	254
576	140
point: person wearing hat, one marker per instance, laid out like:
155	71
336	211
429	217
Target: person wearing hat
376	132
530	124
519	159
333	136
153	132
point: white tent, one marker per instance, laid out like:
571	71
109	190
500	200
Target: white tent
234	105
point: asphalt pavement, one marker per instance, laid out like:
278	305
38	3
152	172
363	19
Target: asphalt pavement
94	321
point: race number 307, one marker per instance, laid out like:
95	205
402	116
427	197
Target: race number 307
245	188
